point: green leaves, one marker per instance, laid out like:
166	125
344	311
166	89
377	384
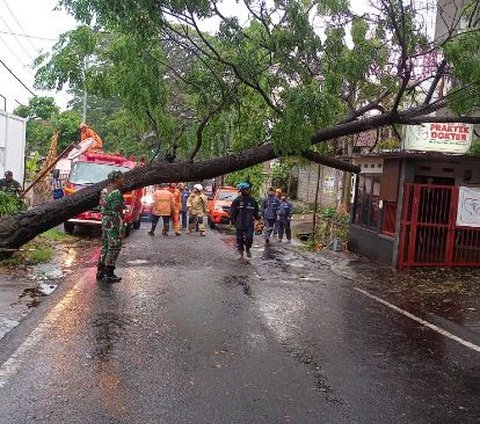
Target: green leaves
44	120
291	68
68	62
306	110
463	55
10	204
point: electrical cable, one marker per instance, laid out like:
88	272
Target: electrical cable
18	79
17	39
14	54
19	24
27	36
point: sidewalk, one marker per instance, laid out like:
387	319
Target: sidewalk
24	285
450	294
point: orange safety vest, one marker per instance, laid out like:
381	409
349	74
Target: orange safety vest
162	203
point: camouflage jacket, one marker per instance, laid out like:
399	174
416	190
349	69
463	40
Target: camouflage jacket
112	206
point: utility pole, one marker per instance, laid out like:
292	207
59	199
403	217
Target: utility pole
85	95
84	112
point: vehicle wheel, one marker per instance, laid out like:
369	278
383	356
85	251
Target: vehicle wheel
68	227
128	230
137	224
211	224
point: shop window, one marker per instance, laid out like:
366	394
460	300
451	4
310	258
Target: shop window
366	202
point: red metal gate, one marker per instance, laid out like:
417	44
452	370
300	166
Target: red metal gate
429	235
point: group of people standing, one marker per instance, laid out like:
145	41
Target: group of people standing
184	209
175	203
275	210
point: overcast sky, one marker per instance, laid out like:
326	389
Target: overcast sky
30	17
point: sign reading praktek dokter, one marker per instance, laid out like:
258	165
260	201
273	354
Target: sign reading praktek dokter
439	137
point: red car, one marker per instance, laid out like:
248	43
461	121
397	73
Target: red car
220	205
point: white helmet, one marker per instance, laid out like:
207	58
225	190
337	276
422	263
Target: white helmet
198	187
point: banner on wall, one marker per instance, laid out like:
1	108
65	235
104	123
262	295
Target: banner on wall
438	137
468	214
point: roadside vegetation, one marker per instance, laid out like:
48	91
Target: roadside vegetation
10	204
330	224
40	250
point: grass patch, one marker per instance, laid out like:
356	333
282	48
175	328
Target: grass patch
57	235
39	250
40	254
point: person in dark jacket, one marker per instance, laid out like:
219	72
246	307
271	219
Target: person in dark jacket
10	185
185	195
284	213
269	212
243	213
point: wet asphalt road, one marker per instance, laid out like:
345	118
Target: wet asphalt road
193	336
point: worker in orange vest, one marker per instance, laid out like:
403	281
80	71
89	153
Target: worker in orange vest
177	208
88	133
163	205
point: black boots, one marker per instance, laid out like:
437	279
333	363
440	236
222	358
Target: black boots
166	229
152	231
100	272
109	276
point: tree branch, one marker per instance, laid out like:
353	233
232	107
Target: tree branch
331	162
436	80
375	105
201	127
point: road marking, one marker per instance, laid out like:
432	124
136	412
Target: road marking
12	364
433	327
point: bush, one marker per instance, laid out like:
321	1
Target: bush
331	224
303	208
10	204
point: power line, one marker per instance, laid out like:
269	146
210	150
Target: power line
18	23
17	39
18	79
14	54
27	36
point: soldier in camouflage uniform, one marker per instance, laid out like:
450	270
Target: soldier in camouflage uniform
112	206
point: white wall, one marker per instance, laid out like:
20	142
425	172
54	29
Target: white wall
12	145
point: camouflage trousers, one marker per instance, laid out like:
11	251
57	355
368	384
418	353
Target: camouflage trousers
111	245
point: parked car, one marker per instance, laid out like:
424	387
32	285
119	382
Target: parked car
220	205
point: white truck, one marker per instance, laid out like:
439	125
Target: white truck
12	145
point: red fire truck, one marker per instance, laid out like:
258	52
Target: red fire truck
90	168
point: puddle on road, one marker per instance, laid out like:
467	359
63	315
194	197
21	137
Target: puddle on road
47	289
109	327
138	262
234	281
46	271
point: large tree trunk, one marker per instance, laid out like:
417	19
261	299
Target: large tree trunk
18	229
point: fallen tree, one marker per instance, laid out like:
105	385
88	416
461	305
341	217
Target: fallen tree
271	79
18	229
